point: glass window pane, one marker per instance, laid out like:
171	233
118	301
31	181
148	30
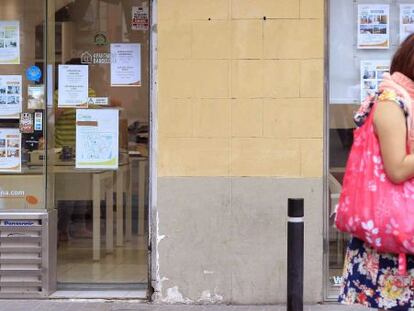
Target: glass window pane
22	143
353	72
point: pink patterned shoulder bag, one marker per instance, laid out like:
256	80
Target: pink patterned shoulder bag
371	207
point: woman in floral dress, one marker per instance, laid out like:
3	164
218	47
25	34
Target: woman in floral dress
370	278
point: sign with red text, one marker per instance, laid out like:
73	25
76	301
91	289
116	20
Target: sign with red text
140	18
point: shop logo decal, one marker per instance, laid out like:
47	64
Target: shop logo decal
33	73
100	39
18	223
86	58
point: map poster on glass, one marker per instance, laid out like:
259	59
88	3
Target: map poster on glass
10	150
371	75
373	26
97	132
126	64
10	96
406	20
9	42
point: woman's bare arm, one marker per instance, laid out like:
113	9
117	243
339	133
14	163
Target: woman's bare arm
390	126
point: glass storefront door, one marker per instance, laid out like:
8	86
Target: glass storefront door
74	109
100	125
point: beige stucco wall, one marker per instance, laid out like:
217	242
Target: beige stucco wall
240	87
240	130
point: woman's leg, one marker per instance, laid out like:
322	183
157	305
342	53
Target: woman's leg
79	229
65	209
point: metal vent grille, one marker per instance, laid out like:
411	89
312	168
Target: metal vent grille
24	262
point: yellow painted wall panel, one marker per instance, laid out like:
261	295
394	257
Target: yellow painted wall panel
247	117
247	39
312	8
193	9
311	78
210	78
175	117
293	39
175	78
174	39
293	118
211	39
212	118
239	95
172	9
213	9
311	34
189	78
247	78
311	157
277	118
194	157
281	78
269	8
265	157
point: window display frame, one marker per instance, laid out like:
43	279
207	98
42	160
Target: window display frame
48	128
325	274
334	104
35	198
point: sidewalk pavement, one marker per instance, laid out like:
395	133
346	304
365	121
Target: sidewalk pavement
110	305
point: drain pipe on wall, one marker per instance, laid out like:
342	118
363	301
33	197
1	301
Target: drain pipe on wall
154	288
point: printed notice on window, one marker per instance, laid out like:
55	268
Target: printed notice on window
10	96
373	26
372	72
10	150
97	138
73	86
126	64
406	20
9	42
140	18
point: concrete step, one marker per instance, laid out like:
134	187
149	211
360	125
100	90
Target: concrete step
111	305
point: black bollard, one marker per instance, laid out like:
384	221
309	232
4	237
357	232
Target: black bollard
295	252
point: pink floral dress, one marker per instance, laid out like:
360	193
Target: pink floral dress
372	279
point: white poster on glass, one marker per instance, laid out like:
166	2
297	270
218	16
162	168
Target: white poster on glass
97	138
73	86
9	42
10	150
10	96
126	64
406	20
371	76
373	26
